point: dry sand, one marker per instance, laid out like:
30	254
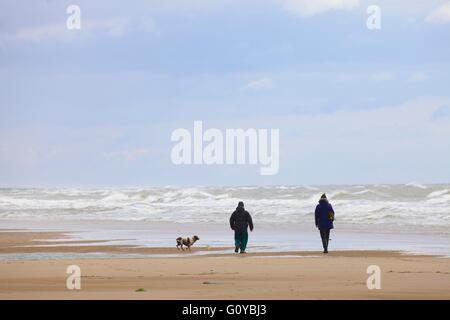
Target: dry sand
282	275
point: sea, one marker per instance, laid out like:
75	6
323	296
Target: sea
411	217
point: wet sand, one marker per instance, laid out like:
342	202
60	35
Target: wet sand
261	275
44	242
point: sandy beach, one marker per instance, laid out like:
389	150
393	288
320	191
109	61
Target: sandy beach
297	150
259	275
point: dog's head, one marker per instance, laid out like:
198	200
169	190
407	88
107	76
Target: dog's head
195	238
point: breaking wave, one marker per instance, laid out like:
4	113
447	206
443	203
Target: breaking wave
410	204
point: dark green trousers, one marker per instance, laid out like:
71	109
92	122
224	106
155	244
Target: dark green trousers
241	239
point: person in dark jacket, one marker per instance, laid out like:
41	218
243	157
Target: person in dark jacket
324	220
240	220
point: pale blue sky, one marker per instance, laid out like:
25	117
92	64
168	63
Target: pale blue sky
96	107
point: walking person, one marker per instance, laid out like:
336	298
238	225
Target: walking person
324	217
240	220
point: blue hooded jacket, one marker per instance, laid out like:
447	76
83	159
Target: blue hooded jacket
324	215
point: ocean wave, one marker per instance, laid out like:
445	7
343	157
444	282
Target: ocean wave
368	204
416	185
439	196
438	193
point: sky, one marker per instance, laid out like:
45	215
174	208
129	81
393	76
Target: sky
96	107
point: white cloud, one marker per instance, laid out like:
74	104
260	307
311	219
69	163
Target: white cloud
440	14
128	155
417	77
382	76
396	131
263	83
35	34
312	7
58	31
113	27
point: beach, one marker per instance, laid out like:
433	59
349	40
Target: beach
296	276
165	273
123	241
293	149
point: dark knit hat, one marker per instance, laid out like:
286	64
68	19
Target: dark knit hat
324	196
241	204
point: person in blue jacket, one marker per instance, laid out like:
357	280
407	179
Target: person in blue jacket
324	220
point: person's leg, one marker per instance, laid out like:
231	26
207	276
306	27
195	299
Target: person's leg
237	241
328	237
244	240
323	236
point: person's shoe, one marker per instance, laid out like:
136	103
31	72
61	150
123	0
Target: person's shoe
236	249
243	251
325	251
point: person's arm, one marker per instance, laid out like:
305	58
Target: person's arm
331	208
250	221
316	214
232	220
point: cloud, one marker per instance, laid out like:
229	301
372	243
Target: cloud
417	77
384	120
398	133
382	76
128	155
113	27
370	76
440	14
310	8
36	34
260	84
58	31
148	24
442	113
